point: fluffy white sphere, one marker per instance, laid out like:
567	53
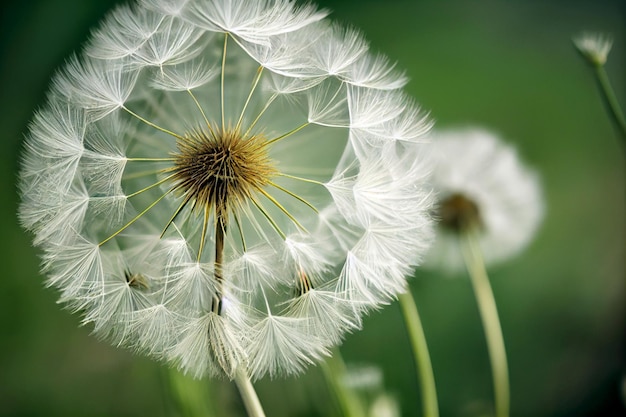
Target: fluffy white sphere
476	175
226	184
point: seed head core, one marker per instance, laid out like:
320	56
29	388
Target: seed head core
457	212
221	169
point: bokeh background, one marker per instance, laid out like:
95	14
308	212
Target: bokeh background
505	65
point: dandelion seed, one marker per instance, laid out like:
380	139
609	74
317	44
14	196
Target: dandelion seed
223	185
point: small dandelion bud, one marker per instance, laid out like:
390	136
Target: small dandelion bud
481	184
226	186
594	47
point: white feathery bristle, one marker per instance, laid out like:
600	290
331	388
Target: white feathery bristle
327	104
340	48
375	71
123	32
185	76
209	345
95	86
253	22
281	345
174	42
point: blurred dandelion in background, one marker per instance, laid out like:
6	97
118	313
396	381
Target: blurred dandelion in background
481	184
595	48
226	186
489	206
367	383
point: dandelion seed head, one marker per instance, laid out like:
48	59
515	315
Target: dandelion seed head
595	47
226	184
221	172
480	183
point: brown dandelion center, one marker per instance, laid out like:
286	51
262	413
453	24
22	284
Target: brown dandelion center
457	212
220	170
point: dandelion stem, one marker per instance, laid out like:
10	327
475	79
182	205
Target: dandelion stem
137	217
245	106
267	105
220	232
334	371
291	132
489	316
248	394
420	354
149	123
222	80
610	100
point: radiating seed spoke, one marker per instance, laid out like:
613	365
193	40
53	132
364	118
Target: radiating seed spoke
268	217
176	213
156	184
205	223
206	120
150	159
137	217
286	135
149	123
140	174
293	177
222	80
240	228
245	106
267	105
297	197
283	209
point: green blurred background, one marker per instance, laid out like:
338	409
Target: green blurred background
505	65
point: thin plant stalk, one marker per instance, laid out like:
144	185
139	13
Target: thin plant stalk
334	370
420	354
608	95
248	394
490	320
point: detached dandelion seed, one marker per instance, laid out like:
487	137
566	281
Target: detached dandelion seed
220	184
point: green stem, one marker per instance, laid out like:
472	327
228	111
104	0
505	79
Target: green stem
491	322
248	394
610	100
420	354
334	370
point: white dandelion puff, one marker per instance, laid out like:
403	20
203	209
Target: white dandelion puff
226	185
595	47
481	180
